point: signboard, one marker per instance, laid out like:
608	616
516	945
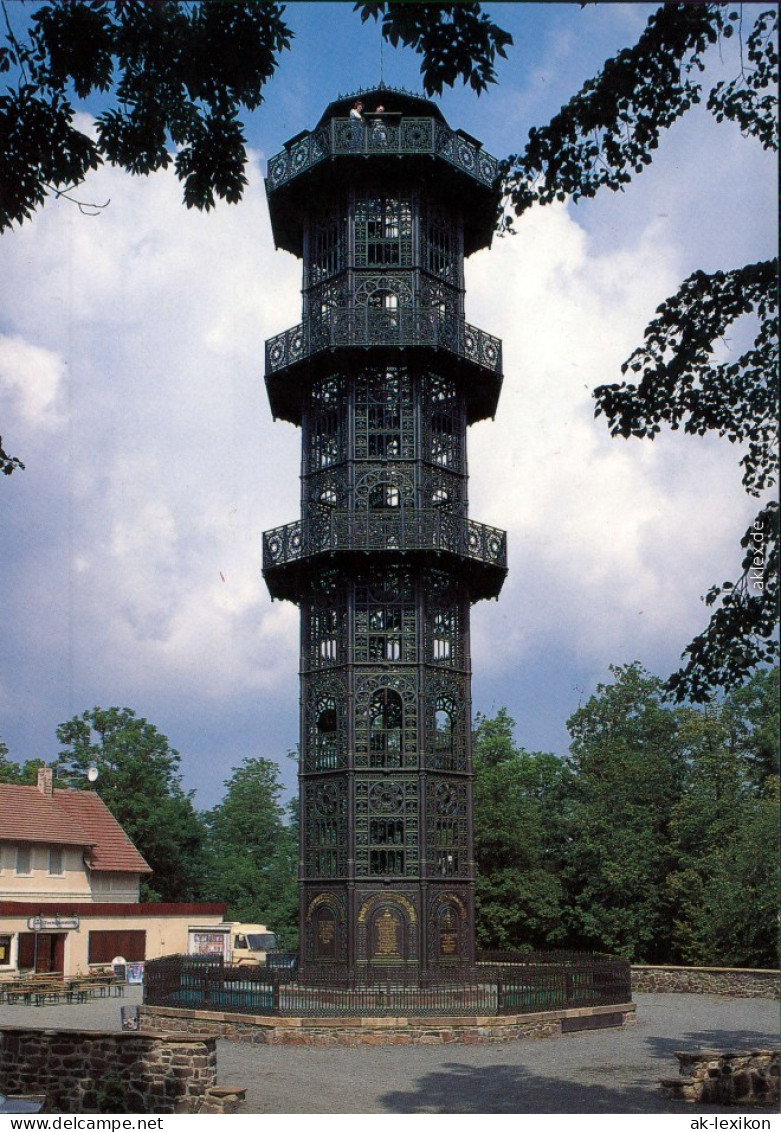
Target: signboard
56	923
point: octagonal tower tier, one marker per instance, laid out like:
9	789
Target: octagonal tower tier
384	375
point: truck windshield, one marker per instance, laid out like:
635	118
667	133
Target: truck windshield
261	941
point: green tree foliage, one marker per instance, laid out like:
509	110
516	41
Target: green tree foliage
8	464
252	851
140	782
604	136
517	804
627	772
19	775
177	75
725	831
457	41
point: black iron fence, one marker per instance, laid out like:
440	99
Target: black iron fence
517	984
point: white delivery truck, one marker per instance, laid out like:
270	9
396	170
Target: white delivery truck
243	945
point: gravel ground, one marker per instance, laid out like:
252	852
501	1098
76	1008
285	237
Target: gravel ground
608	1071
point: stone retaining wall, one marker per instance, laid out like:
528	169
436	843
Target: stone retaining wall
711	1076
736	982
264	1030
94	1071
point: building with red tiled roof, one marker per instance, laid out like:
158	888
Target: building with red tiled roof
64	844
70	885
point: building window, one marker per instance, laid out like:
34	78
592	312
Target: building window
55	861
5	950
23	860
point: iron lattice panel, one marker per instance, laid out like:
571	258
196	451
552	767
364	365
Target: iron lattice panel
385	617
383	232
327	248
449	937
325	424
384	292
447	828
321	300
386	827
386	722
445	619
324	739
325	828
444	424
324	621
441	245
447	722
384	414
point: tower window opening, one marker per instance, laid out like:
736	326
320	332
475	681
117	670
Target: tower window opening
384	497
386	715
327	736
443	636
386	846
383	232
443	735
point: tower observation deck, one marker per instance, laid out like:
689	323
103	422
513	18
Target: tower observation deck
383	375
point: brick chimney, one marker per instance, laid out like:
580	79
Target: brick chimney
46	781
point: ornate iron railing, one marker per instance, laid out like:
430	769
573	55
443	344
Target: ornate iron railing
536	984
362	326
345	137
371	530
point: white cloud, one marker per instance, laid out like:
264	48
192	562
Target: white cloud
611	542
31	380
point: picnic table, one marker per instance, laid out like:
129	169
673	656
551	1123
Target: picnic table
42	988
37	989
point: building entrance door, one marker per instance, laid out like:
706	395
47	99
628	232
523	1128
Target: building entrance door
49	953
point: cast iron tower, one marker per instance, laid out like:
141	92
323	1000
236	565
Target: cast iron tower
384	375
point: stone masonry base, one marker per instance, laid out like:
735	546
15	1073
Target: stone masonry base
94	1071
264	1030
711	1076
737	982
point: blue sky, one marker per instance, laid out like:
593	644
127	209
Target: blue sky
131	383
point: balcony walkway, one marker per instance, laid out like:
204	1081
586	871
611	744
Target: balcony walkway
393	136
362	326
373	531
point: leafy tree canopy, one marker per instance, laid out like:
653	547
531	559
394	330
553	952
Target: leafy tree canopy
140	782
517	798
252	851
179	75
724	830
19	775
627	770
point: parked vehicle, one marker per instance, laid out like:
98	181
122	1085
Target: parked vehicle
243	945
